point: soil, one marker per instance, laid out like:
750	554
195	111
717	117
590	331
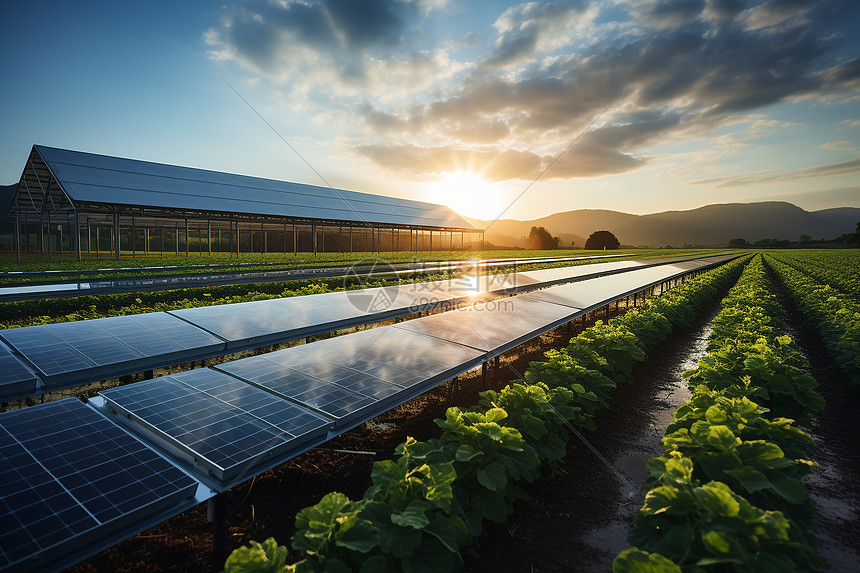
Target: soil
835	485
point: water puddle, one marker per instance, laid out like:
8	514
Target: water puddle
665	375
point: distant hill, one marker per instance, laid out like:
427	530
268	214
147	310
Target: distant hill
709	225
7	195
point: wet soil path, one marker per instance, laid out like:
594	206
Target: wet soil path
580	511
835	485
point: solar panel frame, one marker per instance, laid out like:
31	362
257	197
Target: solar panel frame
88	477
16	378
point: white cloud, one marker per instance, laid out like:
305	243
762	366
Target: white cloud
842	145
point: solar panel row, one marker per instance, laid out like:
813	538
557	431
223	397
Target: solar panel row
71	476
72	353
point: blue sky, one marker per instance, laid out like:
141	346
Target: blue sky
463	103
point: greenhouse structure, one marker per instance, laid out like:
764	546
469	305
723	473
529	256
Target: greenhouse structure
85	205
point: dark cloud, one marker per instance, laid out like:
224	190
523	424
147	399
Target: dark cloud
522	27
695	76
670	13
265	33
725	10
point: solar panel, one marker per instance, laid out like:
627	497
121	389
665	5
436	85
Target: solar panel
213	421
256	323
69	475
494	327
74	352
104	179
594	293
260	322
354	377
15	378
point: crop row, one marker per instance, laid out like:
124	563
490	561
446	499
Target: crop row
839	269
726	494
433	497
834	315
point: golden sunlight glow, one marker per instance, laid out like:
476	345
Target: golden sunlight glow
468	194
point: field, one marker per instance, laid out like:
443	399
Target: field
739	385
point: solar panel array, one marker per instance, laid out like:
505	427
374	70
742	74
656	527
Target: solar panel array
69	474
92	178
71	353
73	476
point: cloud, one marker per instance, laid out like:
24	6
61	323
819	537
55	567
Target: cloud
689	67
338	47
420	162
663	14
842	145
829	170
819	198
850	122
528	28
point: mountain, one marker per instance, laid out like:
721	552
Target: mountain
709	225
7	195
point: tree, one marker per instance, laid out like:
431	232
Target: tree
854	237
804	238
541	239
738	243
602	240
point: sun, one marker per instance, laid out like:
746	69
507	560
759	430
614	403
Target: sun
468	194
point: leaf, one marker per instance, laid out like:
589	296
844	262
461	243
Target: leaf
467	453
752	480
492	476
361	537
266	557
413	516
376	564
637	561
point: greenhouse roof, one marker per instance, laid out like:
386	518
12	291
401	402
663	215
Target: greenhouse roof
91	178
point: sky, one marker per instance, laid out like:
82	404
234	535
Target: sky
496	109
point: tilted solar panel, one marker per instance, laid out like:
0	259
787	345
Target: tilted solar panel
215	422
97	349
15	378
496	326
351	377
69	475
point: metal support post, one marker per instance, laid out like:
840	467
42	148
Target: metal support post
18	235
116	234
217	513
